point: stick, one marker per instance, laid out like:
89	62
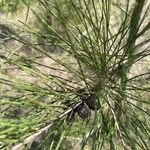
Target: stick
26	144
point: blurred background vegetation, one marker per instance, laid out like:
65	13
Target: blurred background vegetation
56	54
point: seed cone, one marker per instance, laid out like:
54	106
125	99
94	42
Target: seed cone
91	102
83	111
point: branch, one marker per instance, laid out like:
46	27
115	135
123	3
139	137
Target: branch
26	144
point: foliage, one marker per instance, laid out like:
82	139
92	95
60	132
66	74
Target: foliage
12	6
98	55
